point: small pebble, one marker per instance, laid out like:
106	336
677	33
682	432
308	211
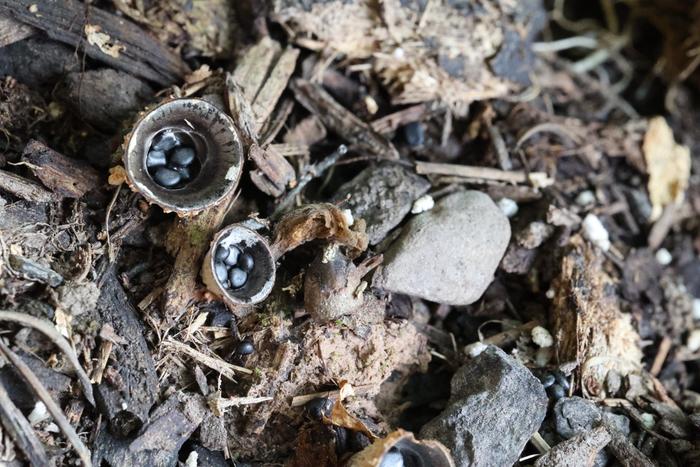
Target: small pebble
238	277
556	392
166	142
233	255
246	261
595	232
663	257
166	177
319	407
155	159
422	204
245	347
585	198
508	207
547	380
221	271
182	156
393	458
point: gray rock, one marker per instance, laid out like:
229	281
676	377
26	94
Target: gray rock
382	195
574	415
450	253
495	407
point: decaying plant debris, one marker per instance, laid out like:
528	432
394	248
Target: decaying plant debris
483	218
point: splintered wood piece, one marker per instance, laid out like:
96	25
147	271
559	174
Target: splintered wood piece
274	173
103	36
23	188
274	86
254	66
20	431
341	120
13	31
66	177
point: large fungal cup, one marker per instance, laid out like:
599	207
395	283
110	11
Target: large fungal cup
185	155
239	266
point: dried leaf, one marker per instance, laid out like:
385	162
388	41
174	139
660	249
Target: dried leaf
668	164
341	417
318	221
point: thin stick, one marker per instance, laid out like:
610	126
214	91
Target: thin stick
48	329
110	253
215	363
40	391
224	403
483	173
303	399
21	431
310	173
538	441
664	348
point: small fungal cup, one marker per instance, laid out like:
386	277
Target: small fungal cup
239	266
185	155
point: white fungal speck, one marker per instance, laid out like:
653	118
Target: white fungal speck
475	349
508	207
663	257
38	414
541	337
422	204
585	198
595	232
347	215
549	294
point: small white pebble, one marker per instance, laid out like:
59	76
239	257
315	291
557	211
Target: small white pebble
399	53
192	459
541	337
38	414
585	198
347	215
549	294
648	420
475	349
663	257
508	207
595	232
693	342
422	204
696	309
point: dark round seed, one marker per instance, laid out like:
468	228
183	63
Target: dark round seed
393	458
556	392
166	141
245	347
414	133
319	407
182	156
246	261
233	255
155	159
547	380
221	271
562	380
221	253
167	177
238	277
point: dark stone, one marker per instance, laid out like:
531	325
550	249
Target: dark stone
574	415
166	141
37	61
492	395
382	196
245	347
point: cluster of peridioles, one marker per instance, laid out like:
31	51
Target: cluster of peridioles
169	152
